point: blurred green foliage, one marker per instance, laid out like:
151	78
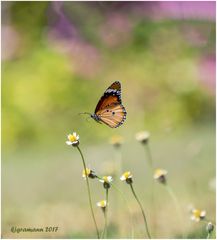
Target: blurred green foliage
66	56
30	19
42	93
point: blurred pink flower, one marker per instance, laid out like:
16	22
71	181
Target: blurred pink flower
188	9
207	72
202	10
60	26
116	30
65	38
196	36
10	42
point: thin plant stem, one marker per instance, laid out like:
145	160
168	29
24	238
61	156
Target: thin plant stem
143	213
125	200
149	156
153	203
118	160
103	232
88	190
118	172
173	196
105	212
151	165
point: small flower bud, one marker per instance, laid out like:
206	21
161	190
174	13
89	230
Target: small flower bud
127	176
88	173
129	180
102	204
92	175
209	227
143	137
106	185
160	175
198	215
116	141
106	180
162	179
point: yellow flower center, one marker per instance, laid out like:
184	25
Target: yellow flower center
159	172
72	138
87	172
127	174
196	213
116	139
102	203
105	179
142	136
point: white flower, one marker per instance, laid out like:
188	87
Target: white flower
73	139
125	176
116	140
198	215
209	227
160	175
106	179
143	137
88	173
102	204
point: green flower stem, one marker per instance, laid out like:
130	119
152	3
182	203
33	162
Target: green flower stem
118	160
208	235
151	165
118	172
103	232
153	204
125	200
149	156
88	190
105	212
178	209
143	213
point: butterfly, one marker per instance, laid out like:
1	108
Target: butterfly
109	109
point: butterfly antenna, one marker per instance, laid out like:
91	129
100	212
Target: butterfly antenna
85	113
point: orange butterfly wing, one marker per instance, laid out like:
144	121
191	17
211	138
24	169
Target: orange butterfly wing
111	95
113	116
109	109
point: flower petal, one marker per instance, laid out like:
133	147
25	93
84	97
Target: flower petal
68	143
109	178
203	213
122	178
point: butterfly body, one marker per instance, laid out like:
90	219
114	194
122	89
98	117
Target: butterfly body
95	117
109	109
